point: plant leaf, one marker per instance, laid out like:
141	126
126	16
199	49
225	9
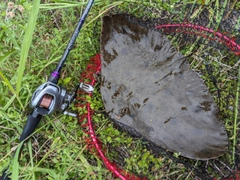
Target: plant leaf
6	55
6	81
27	43
15	170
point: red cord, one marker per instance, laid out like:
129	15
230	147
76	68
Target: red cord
94	68
228	41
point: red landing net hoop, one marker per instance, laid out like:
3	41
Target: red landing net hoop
93	68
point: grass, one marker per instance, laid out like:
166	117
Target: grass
236	117
27	41
31	44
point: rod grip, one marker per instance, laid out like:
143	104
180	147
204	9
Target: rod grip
30	126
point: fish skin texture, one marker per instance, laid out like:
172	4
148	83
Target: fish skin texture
148	86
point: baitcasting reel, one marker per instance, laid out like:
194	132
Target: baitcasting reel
49	98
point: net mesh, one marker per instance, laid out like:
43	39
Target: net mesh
209	38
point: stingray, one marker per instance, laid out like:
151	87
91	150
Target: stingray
149	88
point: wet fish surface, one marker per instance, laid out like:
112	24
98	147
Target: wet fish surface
149	87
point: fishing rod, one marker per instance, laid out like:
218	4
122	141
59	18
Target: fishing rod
49	97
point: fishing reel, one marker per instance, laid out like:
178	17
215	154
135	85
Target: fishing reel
49	98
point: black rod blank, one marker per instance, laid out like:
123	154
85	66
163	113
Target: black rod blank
74	36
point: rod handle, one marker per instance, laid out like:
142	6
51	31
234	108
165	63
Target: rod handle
30	126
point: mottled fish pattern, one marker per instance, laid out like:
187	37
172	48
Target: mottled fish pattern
148	86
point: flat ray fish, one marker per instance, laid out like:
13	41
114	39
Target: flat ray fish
149	87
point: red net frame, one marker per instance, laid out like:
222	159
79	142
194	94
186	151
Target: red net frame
92	142
204	32
93	68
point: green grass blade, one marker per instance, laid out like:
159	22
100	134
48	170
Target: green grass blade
9	102
6	55
6	81
27	43
39	169
15	170
53	6
31	158
63	4
236	117
219	13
